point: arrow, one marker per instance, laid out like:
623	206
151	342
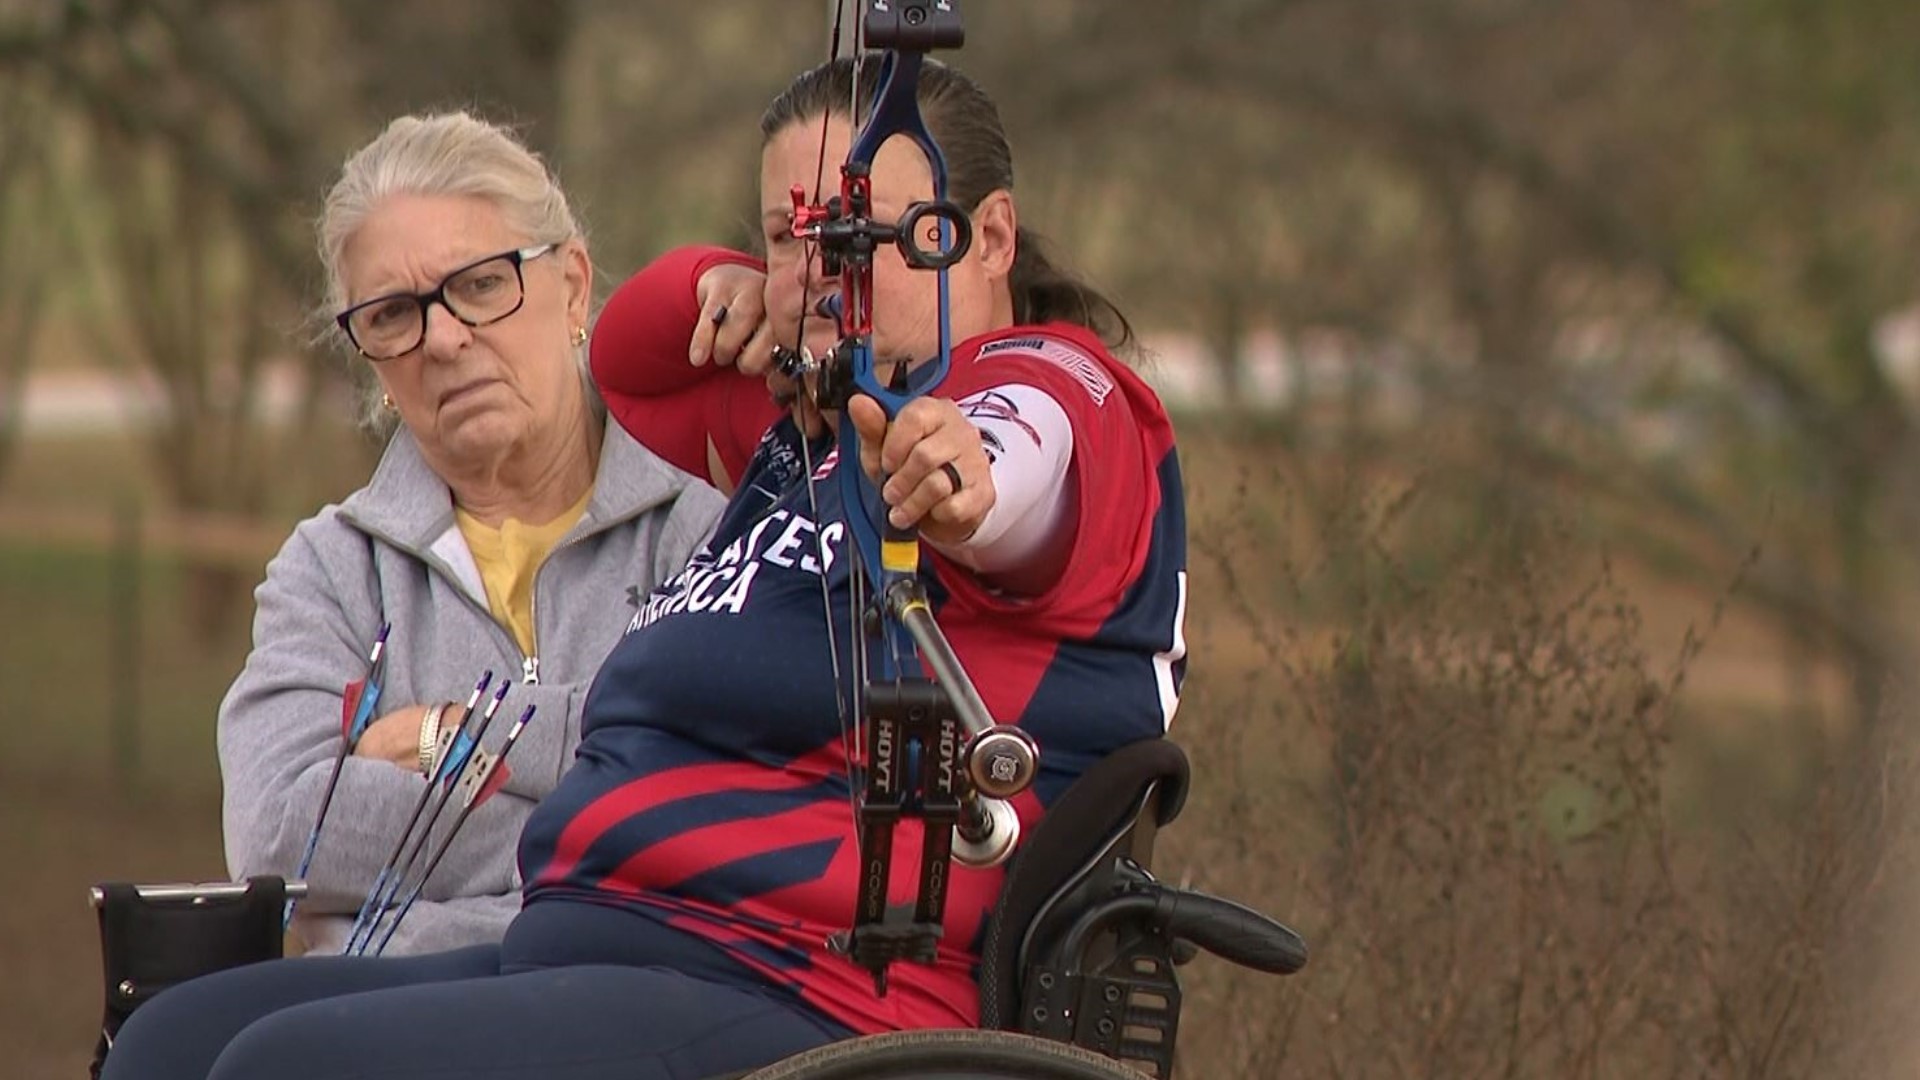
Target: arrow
468	753
478	792
356	711
374	895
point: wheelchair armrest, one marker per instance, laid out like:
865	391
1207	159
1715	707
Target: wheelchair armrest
1224	928
1107	982
1109	812
155	936
196	892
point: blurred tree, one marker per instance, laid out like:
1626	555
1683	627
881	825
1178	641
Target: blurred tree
24	131
662	117
171	265
1628	256
501	59
213	129
1634	247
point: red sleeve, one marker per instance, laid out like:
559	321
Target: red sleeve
639	360
1117	422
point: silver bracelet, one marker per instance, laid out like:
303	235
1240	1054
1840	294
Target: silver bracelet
430	735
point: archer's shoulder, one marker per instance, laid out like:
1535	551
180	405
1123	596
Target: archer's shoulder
1048	341
1050	355
1068	361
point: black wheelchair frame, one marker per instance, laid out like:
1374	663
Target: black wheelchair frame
1077	975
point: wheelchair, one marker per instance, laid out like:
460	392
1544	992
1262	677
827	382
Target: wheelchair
1077	975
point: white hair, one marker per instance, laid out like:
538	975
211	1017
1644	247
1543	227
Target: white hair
453	153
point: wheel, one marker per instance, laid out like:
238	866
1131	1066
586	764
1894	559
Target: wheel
956	1054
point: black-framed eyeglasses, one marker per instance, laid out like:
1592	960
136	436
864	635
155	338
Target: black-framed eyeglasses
480	293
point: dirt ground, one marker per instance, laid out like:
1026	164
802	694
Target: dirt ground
59	835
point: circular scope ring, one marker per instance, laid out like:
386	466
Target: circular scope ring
922	221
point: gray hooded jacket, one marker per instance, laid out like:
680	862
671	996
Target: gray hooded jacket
392	553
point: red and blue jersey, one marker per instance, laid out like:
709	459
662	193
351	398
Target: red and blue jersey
710	793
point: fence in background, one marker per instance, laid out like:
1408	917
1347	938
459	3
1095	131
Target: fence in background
92	601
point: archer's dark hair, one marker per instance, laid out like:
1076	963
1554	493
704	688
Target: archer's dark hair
963	120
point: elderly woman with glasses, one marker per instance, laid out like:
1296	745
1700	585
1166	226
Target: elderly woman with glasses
502	532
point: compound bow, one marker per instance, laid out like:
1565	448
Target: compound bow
967	765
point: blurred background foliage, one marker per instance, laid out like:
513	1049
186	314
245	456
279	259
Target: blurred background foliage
1547	372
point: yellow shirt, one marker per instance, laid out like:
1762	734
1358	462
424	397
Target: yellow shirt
509	557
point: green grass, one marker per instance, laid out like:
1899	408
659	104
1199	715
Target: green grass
106	673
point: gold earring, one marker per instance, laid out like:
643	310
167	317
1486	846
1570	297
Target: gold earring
579	336
386	402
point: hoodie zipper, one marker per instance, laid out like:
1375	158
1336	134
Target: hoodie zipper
530	663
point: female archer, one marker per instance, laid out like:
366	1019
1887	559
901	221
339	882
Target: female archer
685	876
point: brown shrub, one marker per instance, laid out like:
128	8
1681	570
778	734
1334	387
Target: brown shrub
1443	755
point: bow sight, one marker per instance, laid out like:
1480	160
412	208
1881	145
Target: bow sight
845	236
930	234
